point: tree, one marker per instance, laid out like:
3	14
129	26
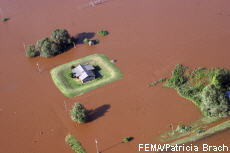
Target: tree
56	44
177	79
48	48
61	37
78	113
41	42
31	51
221	78
214	101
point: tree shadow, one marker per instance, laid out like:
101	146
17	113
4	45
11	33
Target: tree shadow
98	112
81	36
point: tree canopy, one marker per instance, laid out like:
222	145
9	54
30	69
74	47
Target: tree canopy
61	37
78	113
221	77
31	51
214	101
49	47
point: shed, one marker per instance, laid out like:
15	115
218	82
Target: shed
84	72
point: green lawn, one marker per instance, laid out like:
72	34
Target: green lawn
71	87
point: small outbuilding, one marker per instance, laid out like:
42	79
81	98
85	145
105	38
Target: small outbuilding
84	72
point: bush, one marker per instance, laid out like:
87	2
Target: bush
72	67
5	19
214	102
200	130
183	128
78	113
72	75
127	139
31	51
74	144
102	33
177	79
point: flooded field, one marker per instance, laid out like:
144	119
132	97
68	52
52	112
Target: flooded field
147	38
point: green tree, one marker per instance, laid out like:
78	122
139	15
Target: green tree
41	42
49	48
214	101
31	51
78	113
177	79
61	37
221	78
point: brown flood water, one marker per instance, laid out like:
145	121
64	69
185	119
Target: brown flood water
148	38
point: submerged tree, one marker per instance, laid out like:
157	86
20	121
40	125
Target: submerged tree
56	44
31	51
61	37
221	78
214	102
41	42
49	49
78	113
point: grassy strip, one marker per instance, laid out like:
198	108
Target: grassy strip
71	87
195	137
195	127
74	144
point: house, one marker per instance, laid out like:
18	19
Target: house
84	72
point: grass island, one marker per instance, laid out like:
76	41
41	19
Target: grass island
70	87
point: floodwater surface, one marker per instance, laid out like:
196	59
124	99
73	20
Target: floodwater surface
147	38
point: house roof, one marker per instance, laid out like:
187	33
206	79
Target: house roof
88	67
83	71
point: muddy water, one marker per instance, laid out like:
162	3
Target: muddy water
147	38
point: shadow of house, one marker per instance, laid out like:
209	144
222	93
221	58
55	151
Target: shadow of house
97	72
81	36
98	112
